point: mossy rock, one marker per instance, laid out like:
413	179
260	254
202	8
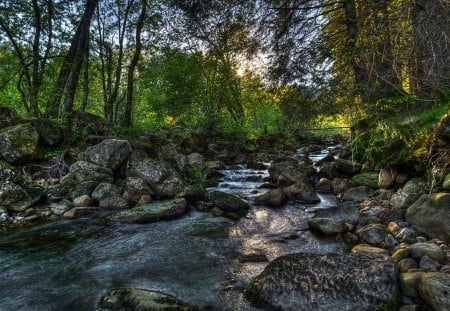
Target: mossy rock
19	143
366	179
10	173
49	132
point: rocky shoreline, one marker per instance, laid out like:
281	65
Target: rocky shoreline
399	228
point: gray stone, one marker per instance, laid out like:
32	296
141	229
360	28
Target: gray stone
346	212
409	283
109	153
358	194
135	188
324	185
82	171
152	212
229	203
105	190
418	250
272	198
325	282
113	203
10	173
211	226
302	192
60	208
83	200
13	197
276	169
407	195
386	177
434	288
327	226
142	300
407	264
428	264
373	234
347	166
80	211
197	160
339	185
327	170
19	143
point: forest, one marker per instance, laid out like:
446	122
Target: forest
225	155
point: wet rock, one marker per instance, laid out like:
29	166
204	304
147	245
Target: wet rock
152	212
229	203
194	193
83	200
339	185
109	153
105	190
302	192
325	282
60	208
409	283
10	173
366	179
296	174
123	299
345	212
197	160
19	143
82	171
358	194
113	203
327	226
428	264
80	211
400	254
407	264
276	169
347	166
211	226
135	188
327	170
162	179
430	214
386	177
324	185
373	234
13	197
272	198
407	195
418	250
368	249
84	188
214	165
434	288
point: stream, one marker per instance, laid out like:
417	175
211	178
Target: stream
69	265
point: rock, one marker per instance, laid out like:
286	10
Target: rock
214	165
49	132
302	192
339	185
83	200
446	182
347	166
434	288
400	254
272	198
368	249
418	250
345	212
153	212
407	264
110	153
194	193
229	203
407	195
60	208
276	169
113	203
358	194
167	152
386	177
405	233
162	179
211	226
13	197
298	173
430	214
84	188
325	282
392	227
135	188
80	211
327	170
19	143
82	171
366	179
373	234
324	185
409	283
428	264
10	173
197	160
142	300
327	226
105	190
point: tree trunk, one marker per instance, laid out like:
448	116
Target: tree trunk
128	115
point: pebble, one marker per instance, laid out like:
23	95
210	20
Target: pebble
392	227
390	240
405	233
420	239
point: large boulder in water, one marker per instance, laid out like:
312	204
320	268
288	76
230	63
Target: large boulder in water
325	282
82	171
347	166
13	197
163	180
153	212
142	300
430	214
229	203
109	153
302	192
19	143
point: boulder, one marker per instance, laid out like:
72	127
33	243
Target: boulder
197	160
162	179
325	282
82	171
409	283
407	264
386	177
277	168
105	190
142	300
152	212
110	153
211	226
80	211
345	212
347	166
328	226
324	185
229	203
366	179
135	188
418	250
10	173
13	197
373	234
84	200
340	185
407	195
19	143
358	194
60	208
50	133
434	288
113	203
430	214
327	170
302	192
272	198
295	174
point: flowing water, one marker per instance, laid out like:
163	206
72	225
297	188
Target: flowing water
69	265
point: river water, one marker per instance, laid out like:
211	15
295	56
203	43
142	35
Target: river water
69	265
